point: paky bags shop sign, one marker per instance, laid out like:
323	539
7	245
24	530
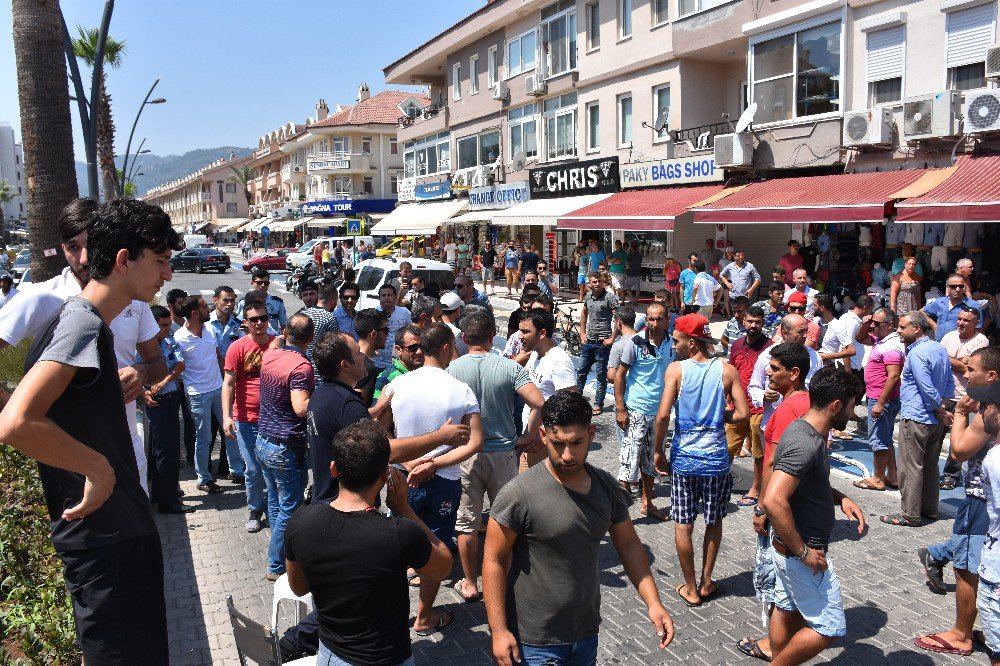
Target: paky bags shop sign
598	176
677	171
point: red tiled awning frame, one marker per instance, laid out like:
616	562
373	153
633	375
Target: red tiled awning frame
639	210
971	194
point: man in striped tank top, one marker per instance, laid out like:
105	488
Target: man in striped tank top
700	387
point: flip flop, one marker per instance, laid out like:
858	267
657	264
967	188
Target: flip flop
866	484
597	411
746	500
478	596
690	604
711	595
411	577
654	514
939	645
751	648
899	520
444	620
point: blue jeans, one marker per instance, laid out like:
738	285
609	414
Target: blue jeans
203	405
594	351
246	437
326	657
283	475
581	653
435	502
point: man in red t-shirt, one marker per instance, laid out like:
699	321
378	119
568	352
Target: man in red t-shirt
241	403
743	353
791	261
786	374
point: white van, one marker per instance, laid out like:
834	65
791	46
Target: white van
304	254
373	273
194	240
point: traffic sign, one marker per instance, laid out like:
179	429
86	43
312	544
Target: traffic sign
355	227
265	231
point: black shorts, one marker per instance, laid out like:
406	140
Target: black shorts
117	590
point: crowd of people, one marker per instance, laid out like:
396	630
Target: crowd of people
327	413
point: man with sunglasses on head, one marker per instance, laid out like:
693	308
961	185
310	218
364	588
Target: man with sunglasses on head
260	280
943	312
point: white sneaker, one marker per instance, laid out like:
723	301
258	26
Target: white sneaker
254	525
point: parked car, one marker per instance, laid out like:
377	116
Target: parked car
304	254
21	264
373	273
24	281
391	248
200	259
272	260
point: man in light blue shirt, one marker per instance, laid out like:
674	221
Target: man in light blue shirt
944	311
224	325
740	277
687	279
596	256
926	382
350	292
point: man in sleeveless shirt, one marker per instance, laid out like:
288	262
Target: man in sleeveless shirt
699	387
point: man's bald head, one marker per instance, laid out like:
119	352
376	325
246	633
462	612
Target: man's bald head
800	277
794	328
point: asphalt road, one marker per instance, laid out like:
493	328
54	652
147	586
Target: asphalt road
206	284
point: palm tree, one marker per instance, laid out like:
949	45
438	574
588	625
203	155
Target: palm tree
85	48
242	176
6	196
46	127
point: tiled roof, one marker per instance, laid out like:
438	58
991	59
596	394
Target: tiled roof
380	108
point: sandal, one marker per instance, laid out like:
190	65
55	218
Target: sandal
751	648
690	604
654	514
866	484
746	500
597	411
899	520
939	645
444	620
948	483
478	596
410	578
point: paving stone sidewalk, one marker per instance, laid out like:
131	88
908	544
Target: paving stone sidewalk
208	554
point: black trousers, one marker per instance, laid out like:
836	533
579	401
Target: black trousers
304	636
165	452
188	428
117	591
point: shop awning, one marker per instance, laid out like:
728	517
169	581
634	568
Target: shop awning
544	212
324	222
418	218
285	225
970	194
857	197
230	223
639	210
474	217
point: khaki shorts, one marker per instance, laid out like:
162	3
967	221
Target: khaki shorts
483	475
511	275
736	434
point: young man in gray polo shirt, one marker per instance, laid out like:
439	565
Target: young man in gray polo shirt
597	335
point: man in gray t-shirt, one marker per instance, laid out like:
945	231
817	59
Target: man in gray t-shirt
597	335
549	523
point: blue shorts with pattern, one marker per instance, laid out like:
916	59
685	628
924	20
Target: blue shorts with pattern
763	570
691	495
988	605
816	597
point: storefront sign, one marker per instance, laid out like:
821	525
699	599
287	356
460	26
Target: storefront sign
405	189
497	197
598	176
439	190
550	250
677	171
328	165
348	206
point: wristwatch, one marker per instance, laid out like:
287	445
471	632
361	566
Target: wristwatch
805	551
757	511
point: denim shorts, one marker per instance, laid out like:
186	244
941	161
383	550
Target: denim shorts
581	653
763	570
988	605
968	548
880	430
435	502
815	597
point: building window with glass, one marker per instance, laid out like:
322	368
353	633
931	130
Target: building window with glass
393	146
474	75
341	145
427	156
660	9
366	145
522	124
342	186
685	7
559	125
230	188
797	75
969	33
478	150
393	184
230	208
624	19
559	37
885	64
521	53
492	67
661	105
593	13
456	81
593	127
624	120
368	185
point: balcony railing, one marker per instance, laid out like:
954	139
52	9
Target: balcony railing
206	196
428	112
702	137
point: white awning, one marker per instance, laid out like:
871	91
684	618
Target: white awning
286	225
418	218
230	223
544	212
474	217
324	222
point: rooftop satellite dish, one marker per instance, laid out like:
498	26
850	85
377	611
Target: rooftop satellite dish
518	161
746	118
661	121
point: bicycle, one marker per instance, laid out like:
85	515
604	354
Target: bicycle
570	331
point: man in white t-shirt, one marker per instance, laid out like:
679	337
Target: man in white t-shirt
550	367
703	292
421	401
801	280
134	329
451	254
836	344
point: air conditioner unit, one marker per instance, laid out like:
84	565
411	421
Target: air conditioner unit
734	150
931	116
500	90
993	62
535	86
982	111
871	127
481	176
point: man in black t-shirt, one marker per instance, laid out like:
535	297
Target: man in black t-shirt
489	258
528	262
357	571
102	528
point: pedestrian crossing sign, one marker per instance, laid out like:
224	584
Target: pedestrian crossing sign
355	227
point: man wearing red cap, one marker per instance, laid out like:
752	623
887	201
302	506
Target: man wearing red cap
700	387
797	303
800	282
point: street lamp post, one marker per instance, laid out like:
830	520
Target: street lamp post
158	100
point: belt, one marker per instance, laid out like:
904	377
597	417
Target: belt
782	549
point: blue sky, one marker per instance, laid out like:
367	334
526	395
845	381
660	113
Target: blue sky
232	71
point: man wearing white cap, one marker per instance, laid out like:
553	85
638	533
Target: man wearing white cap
451	311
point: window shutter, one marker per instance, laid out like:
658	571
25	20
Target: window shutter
885	53
970	33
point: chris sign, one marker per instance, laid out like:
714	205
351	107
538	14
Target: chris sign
598	176
677	171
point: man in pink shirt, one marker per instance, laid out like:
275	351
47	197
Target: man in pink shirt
882	373
791	261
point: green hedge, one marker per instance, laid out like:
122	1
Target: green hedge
36	616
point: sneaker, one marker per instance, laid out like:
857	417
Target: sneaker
211	488
237	480
272	576
254	525
933	569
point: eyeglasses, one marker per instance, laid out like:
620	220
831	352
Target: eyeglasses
793	308
957	286
260	319
262	283
349	297
413	349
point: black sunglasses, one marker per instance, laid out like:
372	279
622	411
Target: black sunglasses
413	349
796	307
259	319
261	283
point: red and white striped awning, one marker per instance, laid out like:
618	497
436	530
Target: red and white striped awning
639	210
970	194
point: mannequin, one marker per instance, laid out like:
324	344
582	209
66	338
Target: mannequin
810	255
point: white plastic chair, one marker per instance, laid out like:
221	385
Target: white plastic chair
283	592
